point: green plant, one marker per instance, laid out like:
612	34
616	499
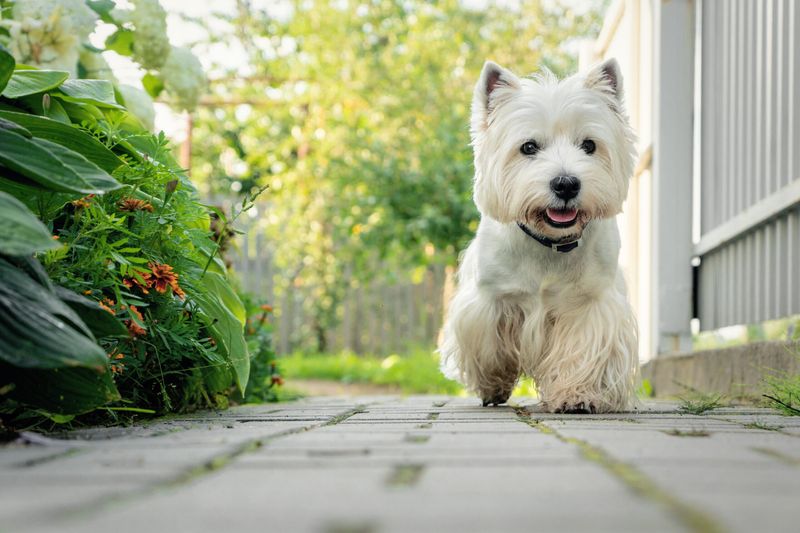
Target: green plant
264	375
784	392
698	403
112	294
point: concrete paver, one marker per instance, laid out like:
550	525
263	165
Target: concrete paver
421	463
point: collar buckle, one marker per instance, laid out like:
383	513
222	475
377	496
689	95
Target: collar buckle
560	247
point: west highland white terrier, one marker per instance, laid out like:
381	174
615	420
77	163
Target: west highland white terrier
539	292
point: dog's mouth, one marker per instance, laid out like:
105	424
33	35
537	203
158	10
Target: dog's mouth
561	218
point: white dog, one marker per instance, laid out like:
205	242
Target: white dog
539	291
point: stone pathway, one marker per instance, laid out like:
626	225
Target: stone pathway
424	463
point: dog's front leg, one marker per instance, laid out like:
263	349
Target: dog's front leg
480	344
591	360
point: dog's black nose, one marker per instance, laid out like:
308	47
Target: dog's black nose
566	187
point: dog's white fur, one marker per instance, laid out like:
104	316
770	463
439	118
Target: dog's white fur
523	308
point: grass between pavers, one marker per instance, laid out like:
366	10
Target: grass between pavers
416	372
186	476
692	518
783	392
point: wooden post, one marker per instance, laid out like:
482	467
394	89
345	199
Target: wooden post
186	147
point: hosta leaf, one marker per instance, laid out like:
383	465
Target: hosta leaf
38	330
13	127
21	233
6	67
52	165
25	82
99	179
68	136
97	92
61	390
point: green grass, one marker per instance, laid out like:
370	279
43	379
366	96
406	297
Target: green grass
699	402
416	372
783	393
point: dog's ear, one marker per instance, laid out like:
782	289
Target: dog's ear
494	83
607	77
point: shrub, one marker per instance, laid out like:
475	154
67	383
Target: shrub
111	290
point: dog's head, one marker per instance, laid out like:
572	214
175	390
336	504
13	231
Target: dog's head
551	154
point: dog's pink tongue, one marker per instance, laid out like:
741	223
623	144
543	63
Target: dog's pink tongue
562	215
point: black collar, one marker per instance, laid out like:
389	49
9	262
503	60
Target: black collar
544	241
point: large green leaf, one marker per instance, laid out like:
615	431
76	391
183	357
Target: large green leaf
68	136
98	178
219	285
97	92
14	127
100	321
6	67
21	233
38	330
60	390
224	325
52	165
25	82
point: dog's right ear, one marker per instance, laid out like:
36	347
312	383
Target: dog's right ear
494	84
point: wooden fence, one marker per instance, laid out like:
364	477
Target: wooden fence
376	318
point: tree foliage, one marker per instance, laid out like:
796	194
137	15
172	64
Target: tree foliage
357	115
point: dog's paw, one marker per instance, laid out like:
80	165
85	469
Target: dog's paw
579	408
496	399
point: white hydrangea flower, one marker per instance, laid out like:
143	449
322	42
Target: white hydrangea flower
139	104
150	44
96	66
49	33
184	77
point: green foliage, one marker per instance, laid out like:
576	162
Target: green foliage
26	82
359	120
783	392
21	233
697	403
264	376
123	307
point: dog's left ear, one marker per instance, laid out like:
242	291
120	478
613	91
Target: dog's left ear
607	77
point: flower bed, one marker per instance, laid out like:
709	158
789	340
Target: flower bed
112	293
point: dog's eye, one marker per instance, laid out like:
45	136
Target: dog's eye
588	146
529	148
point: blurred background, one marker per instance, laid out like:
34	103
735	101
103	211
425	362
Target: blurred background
354	115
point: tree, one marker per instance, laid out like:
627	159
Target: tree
357	116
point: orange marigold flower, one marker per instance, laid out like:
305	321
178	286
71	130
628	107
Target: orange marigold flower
134	204
266	307
134	282
276	380
56	237
162	277
84	202
118	368
134	328
87	292
108	305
